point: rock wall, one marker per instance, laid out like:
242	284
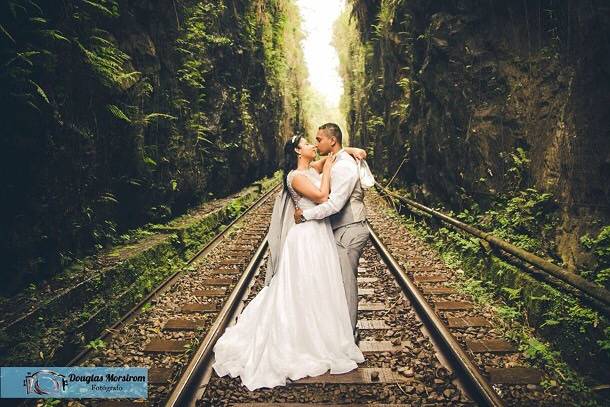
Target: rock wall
121	112
485	98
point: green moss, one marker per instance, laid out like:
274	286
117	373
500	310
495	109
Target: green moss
599	247
575	332
65	325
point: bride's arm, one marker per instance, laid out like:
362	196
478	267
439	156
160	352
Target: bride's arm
304	187
318	165
357	153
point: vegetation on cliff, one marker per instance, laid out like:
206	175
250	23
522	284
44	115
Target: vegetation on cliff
494	112
117	113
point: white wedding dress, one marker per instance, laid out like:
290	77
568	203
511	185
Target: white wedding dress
299	324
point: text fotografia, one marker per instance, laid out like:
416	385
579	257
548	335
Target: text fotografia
74	382
109	377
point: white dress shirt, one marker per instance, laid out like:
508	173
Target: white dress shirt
343	178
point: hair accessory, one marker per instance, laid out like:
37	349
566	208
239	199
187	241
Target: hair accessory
293	138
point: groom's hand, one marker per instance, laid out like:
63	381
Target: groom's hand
297	215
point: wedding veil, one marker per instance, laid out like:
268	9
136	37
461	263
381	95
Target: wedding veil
282	219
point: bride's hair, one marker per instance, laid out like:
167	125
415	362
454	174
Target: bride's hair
290	157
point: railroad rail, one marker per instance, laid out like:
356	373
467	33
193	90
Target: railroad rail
215	265
471	380
466	381
170	280
600	296
423	342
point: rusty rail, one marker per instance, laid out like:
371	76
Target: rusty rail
173	278
480	390
186	386
594	291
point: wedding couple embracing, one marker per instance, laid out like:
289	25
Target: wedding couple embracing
303	321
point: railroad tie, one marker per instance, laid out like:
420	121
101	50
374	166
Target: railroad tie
159	345
434	278
453	305
217	281
467	322
361	375
372	324
418	269
225	270
438	290
378	346
197	307
366	291
514	375
232	262
214	292
181	324
159	375
252	235
371	306
367	279
240	249
120	403
491	346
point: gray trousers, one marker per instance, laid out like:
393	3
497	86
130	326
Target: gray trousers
351	240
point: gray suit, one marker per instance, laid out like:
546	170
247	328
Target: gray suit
347	213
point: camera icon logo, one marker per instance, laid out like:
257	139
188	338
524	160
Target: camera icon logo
45	382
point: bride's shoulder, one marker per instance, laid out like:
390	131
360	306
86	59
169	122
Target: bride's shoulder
291	174
312	171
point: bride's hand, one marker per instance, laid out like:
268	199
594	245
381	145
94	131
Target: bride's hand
359	154
330	160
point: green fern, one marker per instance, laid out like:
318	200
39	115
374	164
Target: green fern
110	8
118	113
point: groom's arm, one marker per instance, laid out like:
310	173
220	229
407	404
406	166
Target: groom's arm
342	182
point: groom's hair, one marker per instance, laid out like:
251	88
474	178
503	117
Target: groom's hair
332	130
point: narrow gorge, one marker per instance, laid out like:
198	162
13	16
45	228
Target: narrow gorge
136	132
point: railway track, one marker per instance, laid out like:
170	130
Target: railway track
164	329
424	343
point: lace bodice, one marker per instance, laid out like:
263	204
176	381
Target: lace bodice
314	177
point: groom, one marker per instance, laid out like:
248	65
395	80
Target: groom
345	207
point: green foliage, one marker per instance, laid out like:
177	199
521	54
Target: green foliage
118	113
235	208
108	7
570	326
519	167
113	122
96	344
569	323
200	39
108	62
537	351
50	402
605	343
599	247
385	18
526	219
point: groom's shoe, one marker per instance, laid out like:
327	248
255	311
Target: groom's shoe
357	336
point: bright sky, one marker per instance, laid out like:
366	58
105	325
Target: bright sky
321	57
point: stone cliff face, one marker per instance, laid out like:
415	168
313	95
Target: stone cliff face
486	98
120	112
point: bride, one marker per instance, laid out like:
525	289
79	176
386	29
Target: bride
298	325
